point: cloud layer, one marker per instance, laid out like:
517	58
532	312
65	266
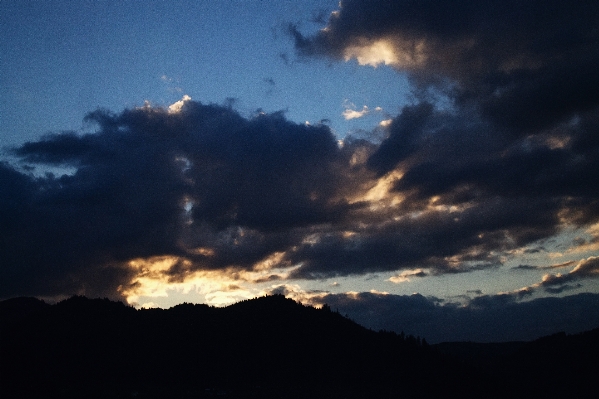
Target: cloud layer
495	318
219	192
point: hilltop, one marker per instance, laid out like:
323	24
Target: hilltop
268	347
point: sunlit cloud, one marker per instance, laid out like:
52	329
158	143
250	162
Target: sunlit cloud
157	276
405	276
385	123
555	283
587	268
150	279
276	259
154	279
349	113
394	52
177	106
381	193
377	292
295	292
228	295
588	243
209	252
488	156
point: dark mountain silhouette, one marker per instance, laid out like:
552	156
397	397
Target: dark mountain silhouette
269	347
555	366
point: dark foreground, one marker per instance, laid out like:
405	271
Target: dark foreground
269	347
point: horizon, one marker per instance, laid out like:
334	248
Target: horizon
432	338
418	166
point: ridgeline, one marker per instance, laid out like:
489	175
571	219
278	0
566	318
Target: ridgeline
268	347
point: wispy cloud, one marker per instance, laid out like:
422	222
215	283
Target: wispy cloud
545	267
406	275
349	113
559	282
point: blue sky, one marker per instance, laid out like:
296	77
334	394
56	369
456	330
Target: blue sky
377	156
63	59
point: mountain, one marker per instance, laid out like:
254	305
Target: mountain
268	347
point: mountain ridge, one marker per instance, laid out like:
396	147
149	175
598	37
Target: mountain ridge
265	347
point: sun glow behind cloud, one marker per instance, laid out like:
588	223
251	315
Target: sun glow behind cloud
152	282
374	54
395	52
159	276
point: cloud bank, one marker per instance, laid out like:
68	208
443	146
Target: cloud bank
210	190
484	318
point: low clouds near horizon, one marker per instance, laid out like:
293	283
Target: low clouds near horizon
486	318
508	159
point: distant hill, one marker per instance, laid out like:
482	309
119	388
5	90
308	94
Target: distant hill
268	347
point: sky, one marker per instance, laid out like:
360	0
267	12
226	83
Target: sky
428	167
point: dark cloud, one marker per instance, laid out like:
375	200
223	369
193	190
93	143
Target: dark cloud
475	292
526	65
405	137
496	318
523	86
419	273
432	240
465	160
514	154
220	191
152	182
526	267
543	267
562	288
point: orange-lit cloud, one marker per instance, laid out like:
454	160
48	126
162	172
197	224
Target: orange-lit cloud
156	276
406	275
394	52
558	282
